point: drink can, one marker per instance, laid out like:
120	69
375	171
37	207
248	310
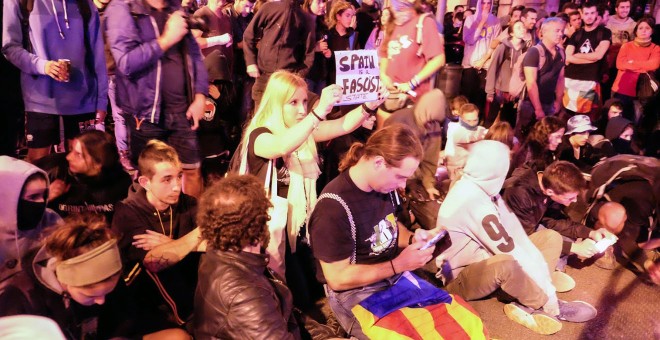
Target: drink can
67	67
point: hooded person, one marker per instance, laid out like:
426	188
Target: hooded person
77	268
425	118
23	214
619	131
491	250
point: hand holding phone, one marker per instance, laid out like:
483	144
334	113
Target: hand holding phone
430	243
604	244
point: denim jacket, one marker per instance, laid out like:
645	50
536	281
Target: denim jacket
132	34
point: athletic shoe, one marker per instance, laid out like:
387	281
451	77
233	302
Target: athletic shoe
562	282
576	311
535	319
125	161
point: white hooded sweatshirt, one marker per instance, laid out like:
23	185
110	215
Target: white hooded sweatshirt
479	222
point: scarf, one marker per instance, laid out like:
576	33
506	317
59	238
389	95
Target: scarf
467	126
643	42
303	171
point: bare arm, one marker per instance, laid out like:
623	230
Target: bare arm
586	58
169	254
597	54
198	37
531	74
559	91
341	275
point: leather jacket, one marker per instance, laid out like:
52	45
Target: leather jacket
235	299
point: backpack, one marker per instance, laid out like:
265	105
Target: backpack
420	31
517	82
621	168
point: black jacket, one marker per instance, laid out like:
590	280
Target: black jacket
285	36
32	291
98	194
526	199
236	300
588	155
160	296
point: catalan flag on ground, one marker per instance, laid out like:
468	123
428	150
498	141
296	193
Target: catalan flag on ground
415	309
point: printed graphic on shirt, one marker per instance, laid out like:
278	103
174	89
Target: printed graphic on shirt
487	32
496	232
586	47
395	46
384	235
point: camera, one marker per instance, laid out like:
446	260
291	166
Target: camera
194	23
197	24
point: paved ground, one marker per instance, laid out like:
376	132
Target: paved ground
627	308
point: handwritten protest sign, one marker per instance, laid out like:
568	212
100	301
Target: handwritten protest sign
358	74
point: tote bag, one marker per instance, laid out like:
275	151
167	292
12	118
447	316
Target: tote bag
278	216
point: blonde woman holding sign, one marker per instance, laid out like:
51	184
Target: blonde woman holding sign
285	130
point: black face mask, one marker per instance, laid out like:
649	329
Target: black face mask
30	214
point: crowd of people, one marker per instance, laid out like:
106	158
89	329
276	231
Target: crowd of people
230	190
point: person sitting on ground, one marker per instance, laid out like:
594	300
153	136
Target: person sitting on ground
533	197
425	118
285	130
237	297
503	133
575	147
90	178
455	105
23	214
620	133
537	152
490	249
78	267
156	223
460	136
611	108
361	247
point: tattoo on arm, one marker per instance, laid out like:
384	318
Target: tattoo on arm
156	263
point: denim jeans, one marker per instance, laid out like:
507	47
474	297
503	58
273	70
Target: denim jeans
343	302
121	130
526	117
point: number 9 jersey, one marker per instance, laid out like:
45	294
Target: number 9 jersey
479	222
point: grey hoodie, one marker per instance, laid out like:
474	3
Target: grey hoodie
474	205
16	244
500	74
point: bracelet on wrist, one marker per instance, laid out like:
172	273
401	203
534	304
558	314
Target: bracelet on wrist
371	112
392	265
317	116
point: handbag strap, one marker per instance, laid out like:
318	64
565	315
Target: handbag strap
271	176
351	221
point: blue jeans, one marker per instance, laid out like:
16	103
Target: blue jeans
526	117
343	302
121	130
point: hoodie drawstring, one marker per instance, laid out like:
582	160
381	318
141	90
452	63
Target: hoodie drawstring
66	14
57	20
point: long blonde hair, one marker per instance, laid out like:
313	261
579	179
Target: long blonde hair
281	87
